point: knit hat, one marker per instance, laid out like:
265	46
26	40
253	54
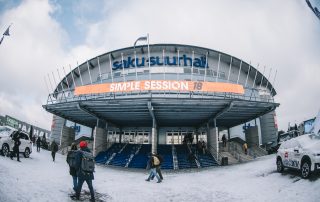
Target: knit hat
83	144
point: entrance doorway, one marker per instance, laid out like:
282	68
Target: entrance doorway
131	137
177	137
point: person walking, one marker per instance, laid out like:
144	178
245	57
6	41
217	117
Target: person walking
15	148
158	167
38	143
152	164
54	149
245	148
224	140
72	165
84	172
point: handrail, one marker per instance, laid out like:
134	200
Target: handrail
217	156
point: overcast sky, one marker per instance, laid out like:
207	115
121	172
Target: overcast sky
46	35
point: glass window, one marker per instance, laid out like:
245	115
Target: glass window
187	70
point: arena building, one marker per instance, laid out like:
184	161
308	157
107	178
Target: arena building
150	98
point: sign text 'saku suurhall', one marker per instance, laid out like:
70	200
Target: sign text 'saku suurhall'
184	60
160	85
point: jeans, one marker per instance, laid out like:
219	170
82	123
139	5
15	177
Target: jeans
75	182
158	169
153	172
80	183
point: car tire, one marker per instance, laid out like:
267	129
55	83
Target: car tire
26	153
5	150
279	165
305	169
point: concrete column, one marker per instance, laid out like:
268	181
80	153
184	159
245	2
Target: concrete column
100	140
197	136
99	137
67	136
120	135
154	136
212	138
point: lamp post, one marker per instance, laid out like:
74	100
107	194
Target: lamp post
143	38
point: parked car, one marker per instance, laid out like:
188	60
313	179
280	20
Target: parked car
6	141
301	153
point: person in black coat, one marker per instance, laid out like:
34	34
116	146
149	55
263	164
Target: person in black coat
38	144
15	148
54	149
82	175
72	170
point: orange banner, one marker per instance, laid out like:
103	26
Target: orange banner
160	85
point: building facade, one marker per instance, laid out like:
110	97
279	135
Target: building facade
160	93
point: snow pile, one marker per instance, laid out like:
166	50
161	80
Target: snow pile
40	179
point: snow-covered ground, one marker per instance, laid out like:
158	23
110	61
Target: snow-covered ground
39	179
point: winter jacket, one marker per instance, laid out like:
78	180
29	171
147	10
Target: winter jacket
151	163
38	142
54	147
80	173
17	143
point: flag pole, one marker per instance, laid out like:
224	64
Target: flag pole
80	74
239	72
268	78
99	70
255	77
274	80
66	78
60	80
123	76
245	85
218	69
46	84
264	68
74	83
164	65
205	67
50	83
149	57
55	83
89	72
230	68
135	63
6	33
192	65
110	62
178	64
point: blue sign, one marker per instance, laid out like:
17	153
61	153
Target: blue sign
158	61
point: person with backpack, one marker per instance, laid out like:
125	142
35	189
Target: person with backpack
85	168
17	142
152	164
54	149
71	160
158	168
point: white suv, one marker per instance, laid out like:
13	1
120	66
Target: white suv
7	143
301	153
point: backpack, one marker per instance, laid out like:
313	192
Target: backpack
87	162
160	159
156	161
71	158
